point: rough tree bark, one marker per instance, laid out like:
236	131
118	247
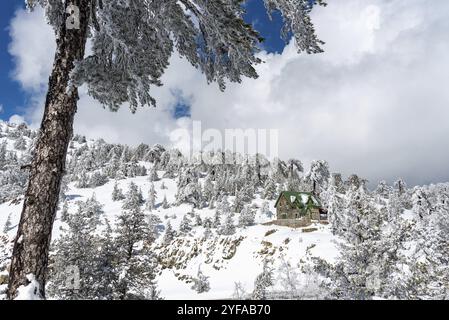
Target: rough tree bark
31	245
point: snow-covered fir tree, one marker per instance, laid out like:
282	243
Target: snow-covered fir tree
97	179
136	263
186	225
154	223
165	204
153	174
151	200
208	189
335	210
228	226
76	254
207	233
65	211
198	220
7	225
263	282
223	206
82	180
133	198
318	176
169	234
189	190
383	189
117	193
429	271
201	282
247	216
20	143
270	192
369	254
216	223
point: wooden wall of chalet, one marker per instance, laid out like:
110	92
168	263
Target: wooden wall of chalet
284	211
315	214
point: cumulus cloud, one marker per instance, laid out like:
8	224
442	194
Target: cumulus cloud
375	103
16	119
33	49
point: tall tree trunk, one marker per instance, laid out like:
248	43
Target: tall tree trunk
32	243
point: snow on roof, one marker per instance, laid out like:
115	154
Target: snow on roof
303	197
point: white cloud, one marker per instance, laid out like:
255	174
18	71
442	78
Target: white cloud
33	49
16	119
375	103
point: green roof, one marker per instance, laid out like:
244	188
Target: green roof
299	199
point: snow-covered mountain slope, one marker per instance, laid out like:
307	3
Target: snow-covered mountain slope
211	221
225	259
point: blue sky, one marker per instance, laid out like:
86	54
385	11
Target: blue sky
11	96
14	99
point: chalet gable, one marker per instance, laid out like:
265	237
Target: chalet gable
299	199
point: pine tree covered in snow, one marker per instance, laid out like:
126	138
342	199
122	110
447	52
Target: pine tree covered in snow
154	223
153	174
65	212
207	233
217	220
165	204
106	260
117	193
189	190
246	217
294	167
97	179
20	144
318	177
335	210
76	255
263	282
208	189
186	225
136	263
200	282
133	198
228	227
169	234
383	189
198	220
369	255
429	274
7	225
151	201
270	192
